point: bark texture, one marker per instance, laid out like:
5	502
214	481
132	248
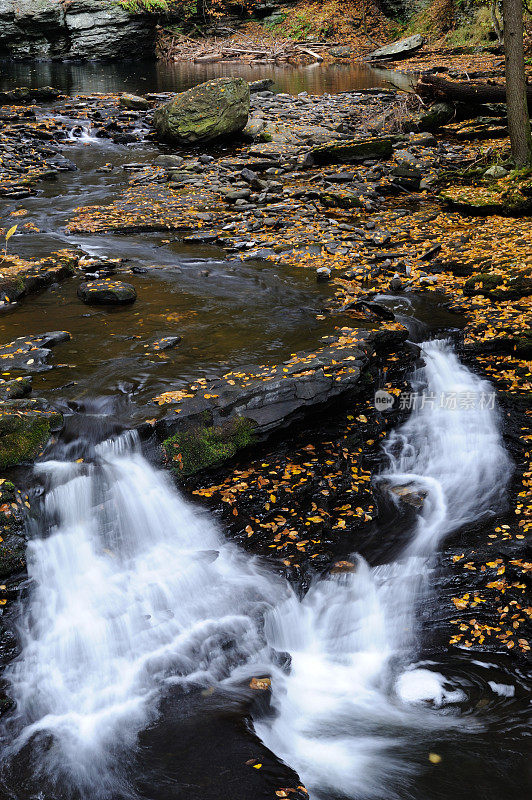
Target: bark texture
516	89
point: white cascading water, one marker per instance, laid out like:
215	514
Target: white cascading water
352	694
133	587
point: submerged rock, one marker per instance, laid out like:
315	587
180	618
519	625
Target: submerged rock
210	111
107	293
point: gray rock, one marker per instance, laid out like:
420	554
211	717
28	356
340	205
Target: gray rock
396	284
397	50
261	86
323	274
166	342
238	194
107	293
496	172
92	29
254	127
134	103
168	161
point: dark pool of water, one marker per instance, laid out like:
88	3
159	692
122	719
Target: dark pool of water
152	76
241	313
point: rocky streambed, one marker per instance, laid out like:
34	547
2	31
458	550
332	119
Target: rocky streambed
241	302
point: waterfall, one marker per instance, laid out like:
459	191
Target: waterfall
352	697
132	588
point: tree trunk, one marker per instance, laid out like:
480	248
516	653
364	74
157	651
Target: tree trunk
470	92
495	21
516	90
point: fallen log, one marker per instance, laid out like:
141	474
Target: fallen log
471	92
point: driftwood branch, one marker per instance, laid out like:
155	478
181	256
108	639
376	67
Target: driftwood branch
182	48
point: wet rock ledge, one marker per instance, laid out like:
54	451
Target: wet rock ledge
210	422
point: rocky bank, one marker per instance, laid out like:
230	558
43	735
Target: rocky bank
77	29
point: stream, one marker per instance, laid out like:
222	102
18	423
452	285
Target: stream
137	604
141	626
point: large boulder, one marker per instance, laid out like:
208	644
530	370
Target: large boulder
397	50
207	112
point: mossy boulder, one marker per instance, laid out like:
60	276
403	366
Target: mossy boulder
191	451
433	118
25	427
16	388
351	151
504	198
213	110
510	286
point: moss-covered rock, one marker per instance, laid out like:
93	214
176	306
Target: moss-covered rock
16	388
347	152
201	447
20	277
510	286
506	201
13	509
433	118
210	111
25	427
340	200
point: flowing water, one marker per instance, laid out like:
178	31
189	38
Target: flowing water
140	626
134	593
348	703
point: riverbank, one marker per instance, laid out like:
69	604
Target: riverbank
372	226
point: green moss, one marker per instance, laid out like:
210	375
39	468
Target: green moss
340	200
478	284
24	430
194	450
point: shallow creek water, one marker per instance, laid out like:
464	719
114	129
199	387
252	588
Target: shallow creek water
141	626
